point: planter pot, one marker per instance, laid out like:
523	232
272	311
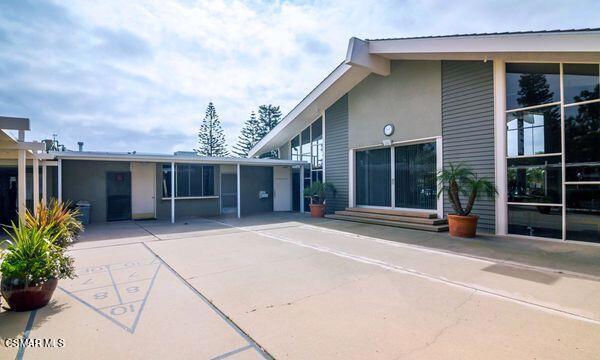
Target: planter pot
317	210
24	298
463	226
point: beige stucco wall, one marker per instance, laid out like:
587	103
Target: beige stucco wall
410	98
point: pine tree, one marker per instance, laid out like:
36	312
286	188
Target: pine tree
211	140
249	136
268	117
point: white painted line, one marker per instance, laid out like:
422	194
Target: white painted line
416	273
487	260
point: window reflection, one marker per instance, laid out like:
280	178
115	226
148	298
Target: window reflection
539	221
582	142
533	132
583	212
581	82
535	180
305	147
295	145
373	177
531	84
317	144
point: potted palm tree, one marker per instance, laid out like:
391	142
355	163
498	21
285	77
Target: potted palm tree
457	180
317	193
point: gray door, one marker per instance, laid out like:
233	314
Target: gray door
118	195
228	193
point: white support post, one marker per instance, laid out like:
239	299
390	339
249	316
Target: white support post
500	146
351	179
439	146
21	182
393	176
324	139
301	188
238	191
44	183
36	184
172	192
59	180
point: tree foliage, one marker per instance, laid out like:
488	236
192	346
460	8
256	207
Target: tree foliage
254	129
249	136
211	140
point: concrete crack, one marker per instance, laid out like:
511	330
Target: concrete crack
295	301
442	331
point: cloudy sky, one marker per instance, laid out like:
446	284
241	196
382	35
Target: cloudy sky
137	75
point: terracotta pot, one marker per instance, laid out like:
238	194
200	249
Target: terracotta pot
463	226
24	298
317	210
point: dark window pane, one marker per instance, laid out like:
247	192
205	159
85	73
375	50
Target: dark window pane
582	142
583	212
182	187
166	183
195	180
531	84
208	180
305	138
415	183
295	145
373	177
306	186
317	144
581	82
317	176
535	180
539	221
533	131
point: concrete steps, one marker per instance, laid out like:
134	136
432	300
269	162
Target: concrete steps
396	218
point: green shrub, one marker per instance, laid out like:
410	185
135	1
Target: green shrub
57	219
33	257
318	191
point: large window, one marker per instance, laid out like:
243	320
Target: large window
415	176
373	177
308	146
553	150
190	180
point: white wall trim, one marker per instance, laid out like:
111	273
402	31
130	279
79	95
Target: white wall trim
59	180
324	139
351	180
439	158
173	192
501	206
239	192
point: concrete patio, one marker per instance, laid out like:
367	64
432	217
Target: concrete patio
287	286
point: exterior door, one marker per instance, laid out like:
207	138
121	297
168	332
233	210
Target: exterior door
118	195
228	193
282	188
143	190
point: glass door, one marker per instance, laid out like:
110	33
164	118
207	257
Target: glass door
373	176
415	169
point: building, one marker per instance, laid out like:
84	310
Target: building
124	186
519	108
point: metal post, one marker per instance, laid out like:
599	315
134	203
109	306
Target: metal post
44	183
36	185
21	183
172	192
60	180
239	203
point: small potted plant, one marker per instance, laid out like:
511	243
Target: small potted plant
317	193
457	180
35	258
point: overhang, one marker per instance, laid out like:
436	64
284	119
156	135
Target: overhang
166	158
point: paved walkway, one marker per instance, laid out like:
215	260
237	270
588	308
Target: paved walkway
286	286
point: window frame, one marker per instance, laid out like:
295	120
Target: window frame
564	182
166	171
